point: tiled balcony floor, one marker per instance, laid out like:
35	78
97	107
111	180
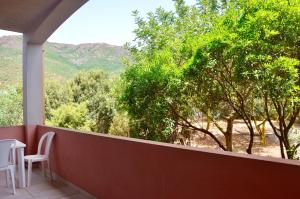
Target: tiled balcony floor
41	188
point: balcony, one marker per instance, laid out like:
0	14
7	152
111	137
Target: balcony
108	167
112	167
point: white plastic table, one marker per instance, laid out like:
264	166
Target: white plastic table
21	166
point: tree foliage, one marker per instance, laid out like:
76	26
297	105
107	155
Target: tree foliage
95	88
226	59
71	115
11	107
85	102
164	44
56	95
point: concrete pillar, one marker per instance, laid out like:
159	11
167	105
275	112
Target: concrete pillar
33	92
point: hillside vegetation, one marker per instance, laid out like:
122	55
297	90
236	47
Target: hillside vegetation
62	61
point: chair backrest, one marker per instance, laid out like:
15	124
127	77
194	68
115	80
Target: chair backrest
49	137
7	152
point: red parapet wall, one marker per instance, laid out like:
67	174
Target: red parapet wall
13	132
123	168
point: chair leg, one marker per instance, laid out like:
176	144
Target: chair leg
49	169
29	173
12	175
44	169
7	177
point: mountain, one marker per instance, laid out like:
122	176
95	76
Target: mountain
61	61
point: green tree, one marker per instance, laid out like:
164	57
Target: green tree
95	88
268	50
218	77
11	109
120	125
154	85
253	51
282	93
219	58
56	94
147	96
71	115
91	90
152	80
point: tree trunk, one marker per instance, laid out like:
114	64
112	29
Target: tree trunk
228	138
249	149
289	150
228	134
261	130
208	121
263	133
281	148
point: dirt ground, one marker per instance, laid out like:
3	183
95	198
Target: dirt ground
240	140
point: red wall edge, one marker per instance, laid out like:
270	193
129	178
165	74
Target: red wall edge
13	132
123	168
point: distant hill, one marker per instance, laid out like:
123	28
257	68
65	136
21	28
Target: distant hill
62	61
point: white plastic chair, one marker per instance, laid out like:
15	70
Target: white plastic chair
39	157
7	160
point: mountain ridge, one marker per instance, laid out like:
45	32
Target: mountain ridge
61	61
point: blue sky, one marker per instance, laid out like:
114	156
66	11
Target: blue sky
108	21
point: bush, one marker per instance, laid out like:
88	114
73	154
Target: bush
71	115
120	125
